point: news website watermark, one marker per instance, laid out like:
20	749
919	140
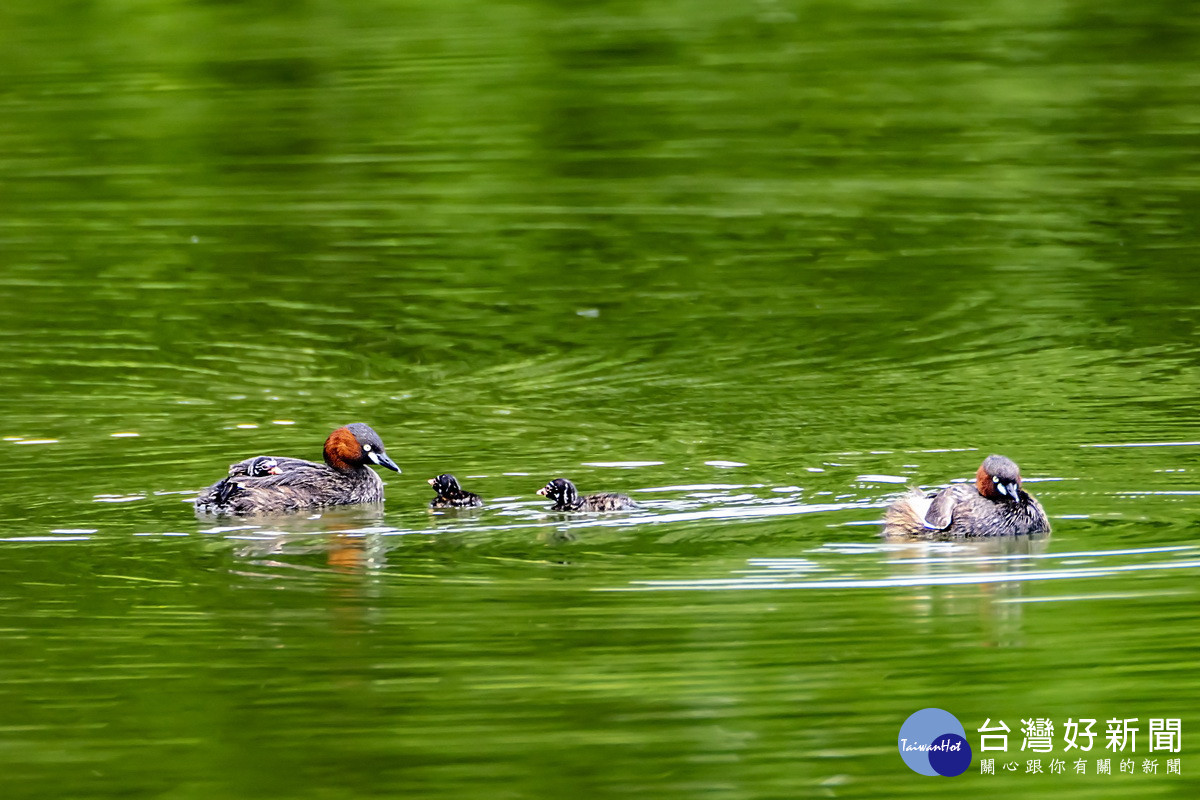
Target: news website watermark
932	741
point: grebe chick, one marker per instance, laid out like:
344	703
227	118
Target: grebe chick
566	498
260	466
451	495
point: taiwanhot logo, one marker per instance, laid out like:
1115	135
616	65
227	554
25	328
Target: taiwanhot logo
933	742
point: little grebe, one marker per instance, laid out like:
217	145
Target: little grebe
451	495
272	484
566	498
995	505
260	466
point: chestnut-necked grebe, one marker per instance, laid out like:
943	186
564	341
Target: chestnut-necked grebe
995	505
343	479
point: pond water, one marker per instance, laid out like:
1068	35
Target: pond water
758	265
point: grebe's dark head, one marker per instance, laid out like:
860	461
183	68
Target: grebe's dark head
354	446
560	490
999	479
445	485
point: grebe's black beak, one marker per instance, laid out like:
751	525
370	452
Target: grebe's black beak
382	460
1010	490
432	481
544	491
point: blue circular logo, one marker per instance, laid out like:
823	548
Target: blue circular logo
933	742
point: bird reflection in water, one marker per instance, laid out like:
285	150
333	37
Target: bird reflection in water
966	577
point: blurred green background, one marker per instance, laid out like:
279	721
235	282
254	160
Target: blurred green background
758	264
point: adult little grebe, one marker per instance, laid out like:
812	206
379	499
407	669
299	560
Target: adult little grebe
451	495
995	505
566	498
344	478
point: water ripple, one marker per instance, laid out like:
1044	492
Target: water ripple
895	582
773	573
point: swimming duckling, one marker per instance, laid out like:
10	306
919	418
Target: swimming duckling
451	495
995	505
566	498
343	479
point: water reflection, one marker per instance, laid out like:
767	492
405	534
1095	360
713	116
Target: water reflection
348	536
915	566
994	562
446	516
326	519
